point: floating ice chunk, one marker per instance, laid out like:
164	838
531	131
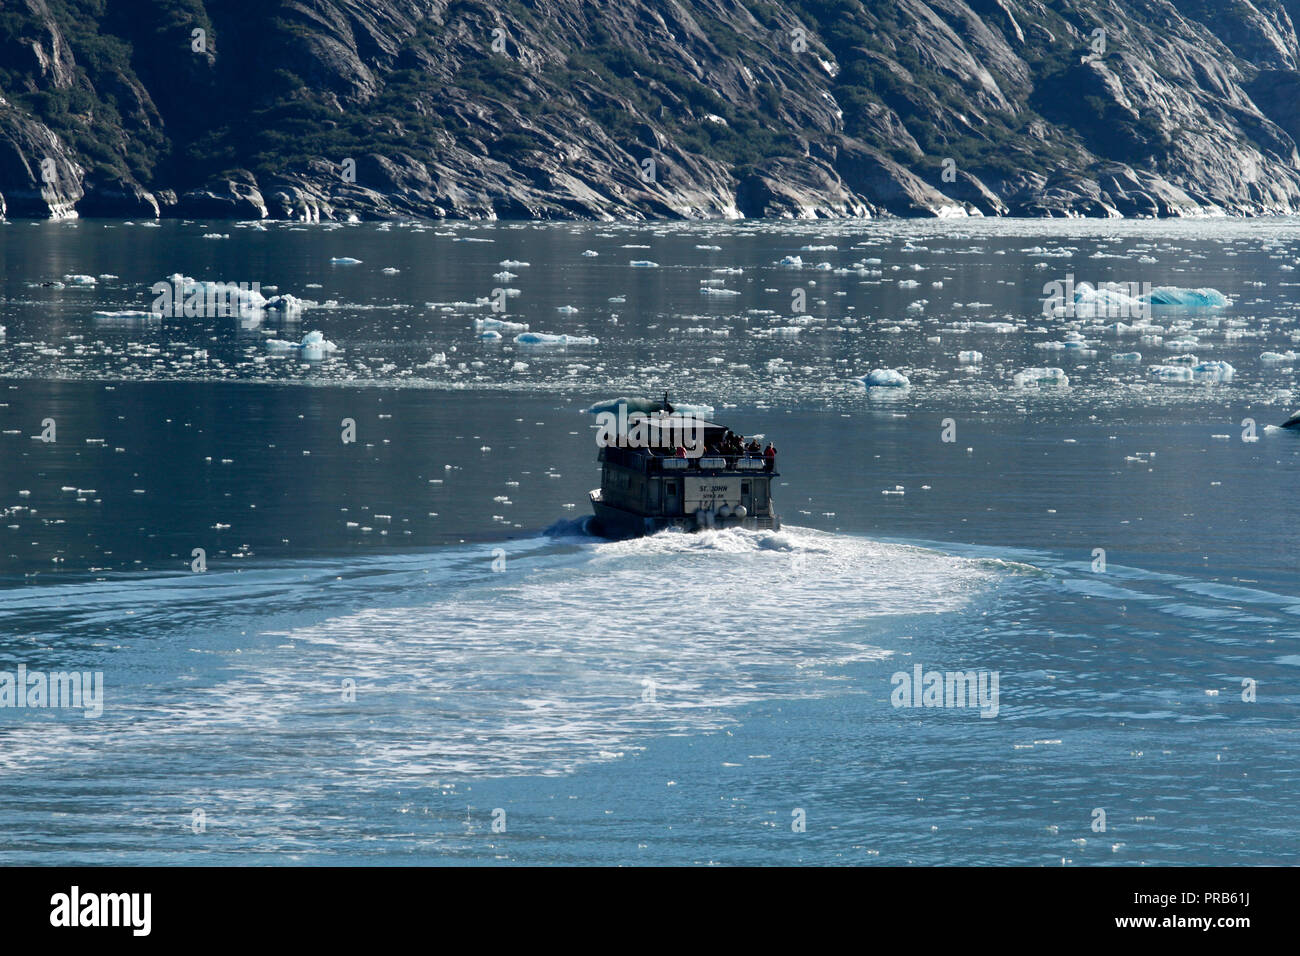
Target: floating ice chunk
500	325
315	346
566	309
125	314
645	406
1172	373
1278	358
344	261
794	262
80	280
1213	372
885	378
490	335
288	304
280	346
643	264
1128	358
590	253
1104	300
547	338
390	271
1041	378
1177	297
970	358
694	411
708	290
514	264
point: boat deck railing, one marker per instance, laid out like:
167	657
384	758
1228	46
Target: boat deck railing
645	459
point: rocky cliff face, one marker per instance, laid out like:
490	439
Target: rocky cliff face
319	109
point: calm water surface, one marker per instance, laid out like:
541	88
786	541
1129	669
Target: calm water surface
674	699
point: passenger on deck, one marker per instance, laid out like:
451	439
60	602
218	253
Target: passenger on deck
754	448
769	453
681	452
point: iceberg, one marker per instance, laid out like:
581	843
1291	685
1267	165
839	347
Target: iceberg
500	325
315	346
885	378
645	406
344	261
288	304
1176	297
643	264
546	338
1213	372
1041	378
1278	358
1104	301
125	314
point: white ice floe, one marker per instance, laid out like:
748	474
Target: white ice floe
80	280
1177	297
344	261
1041	378
547	338
289	305
885	378
313	347
1278	358
124	314
1104	300
1128	358
1213	372
971	357
694	411
489	335
643	264
500	325
1201	372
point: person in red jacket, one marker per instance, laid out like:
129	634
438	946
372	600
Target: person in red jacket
769	453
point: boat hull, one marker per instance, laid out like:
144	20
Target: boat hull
614	522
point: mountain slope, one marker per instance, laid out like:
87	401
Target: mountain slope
561	109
